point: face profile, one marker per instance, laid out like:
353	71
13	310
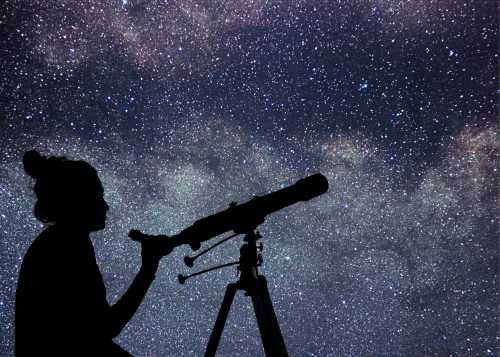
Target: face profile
101	208
90	212
87	208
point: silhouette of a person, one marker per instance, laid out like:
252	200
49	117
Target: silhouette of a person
61	306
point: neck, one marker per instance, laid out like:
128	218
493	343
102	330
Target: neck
72	226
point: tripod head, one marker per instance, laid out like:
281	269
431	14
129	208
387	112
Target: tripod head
247	264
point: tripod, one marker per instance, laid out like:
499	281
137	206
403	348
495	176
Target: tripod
254	286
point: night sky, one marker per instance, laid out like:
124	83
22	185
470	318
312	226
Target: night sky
185	106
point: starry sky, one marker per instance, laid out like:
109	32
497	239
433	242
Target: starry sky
185	106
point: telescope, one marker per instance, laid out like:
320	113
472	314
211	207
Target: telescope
245	217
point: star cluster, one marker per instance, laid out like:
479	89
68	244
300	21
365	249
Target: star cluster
186	106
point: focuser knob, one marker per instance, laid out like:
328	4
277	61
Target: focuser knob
189	261
181	278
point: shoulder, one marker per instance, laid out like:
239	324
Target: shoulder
47	242
41	244
53	246
40	253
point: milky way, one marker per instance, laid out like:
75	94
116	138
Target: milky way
186	106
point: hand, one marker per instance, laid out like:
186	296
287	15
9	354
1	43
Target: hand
153	248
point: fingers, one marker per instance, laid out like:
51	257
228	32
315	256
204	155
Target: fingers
153	246
137	235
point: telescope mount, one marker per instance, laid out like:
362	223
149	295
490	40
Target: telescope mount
255	286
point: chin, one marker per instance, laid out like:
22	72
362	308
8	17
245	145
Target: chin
98	226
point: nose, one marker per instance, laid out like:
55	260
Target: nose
104	204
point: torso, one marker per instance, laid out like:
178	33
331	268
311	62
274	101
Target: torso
61	297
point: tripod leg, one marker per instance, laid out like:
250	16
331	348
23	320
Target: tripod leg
213	342
270	332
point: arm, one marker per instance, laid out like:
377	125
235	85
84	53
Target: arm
125	308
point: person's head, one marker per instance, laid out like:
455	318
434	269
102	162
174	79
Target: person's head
68	192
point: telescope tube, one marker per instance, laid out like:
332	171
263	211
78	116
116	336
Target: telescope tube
246	216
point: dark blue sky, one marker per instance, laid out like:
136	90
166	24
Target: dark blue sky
185	106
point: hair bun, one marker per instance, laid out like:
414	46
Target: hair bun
34	163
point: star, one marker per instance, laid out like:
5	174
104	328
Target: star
185	106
